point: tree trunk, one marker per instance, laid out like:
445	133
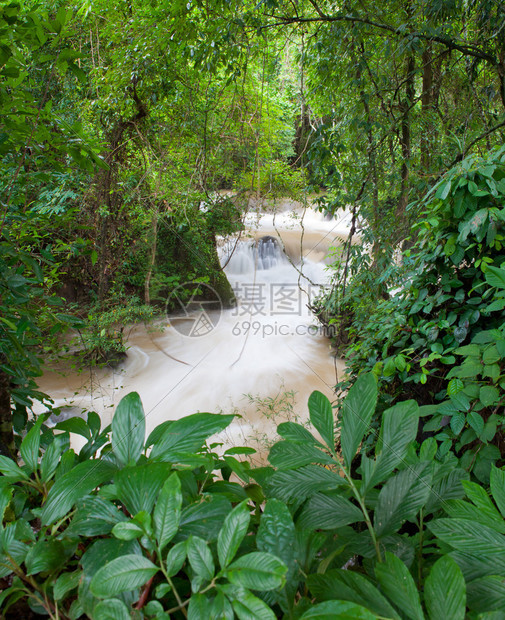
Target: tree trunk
7	445
405	138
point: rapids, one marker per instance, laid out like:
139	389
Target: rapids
261	359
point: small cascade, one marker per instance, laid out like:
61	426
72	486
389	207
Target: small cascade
246	256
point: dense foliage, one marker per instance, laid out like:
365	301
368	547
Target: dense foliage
156	528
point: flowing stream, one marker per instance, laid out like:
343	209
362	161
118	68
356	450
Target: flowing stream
261	359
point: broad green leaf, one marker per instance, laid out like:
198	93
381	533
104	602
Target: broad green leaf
128	429
74	425
401	498
104	550
127	530
112	609
474	566
357	411
65	583
338	584
176	557
487	594
291	455
167	512
188	434
205	517
138	486
459	509
321	416
445	590
328	512
11	470
220	609
291	431
246	605
200	558
343	610
398	430
495	276
232	533
30	445
397	583
50	460
198	608
5	498
258	571
468	536
95	517
478	495
44	556
124	573
303	482
498	488
446	484
73	485
489	395
276	533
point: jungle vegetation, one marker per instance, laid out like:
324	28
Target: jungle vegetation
118	123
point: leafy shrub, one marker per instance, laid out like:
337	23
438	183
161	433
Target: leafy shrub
439	338
156	528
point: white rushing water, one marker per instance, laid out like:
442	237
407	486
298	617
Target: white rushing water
260	360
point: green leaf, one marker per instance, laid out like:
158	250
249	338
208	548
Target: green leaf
398	585
44	556
200	558
487	594
258	571
50	460
30	445
127	530
138	486
401	498
276	533
128	429
498	488
11	470
198	608
445	590
290	455
489	395
73	485
246	605
220	609
303	482
112	609
343	610
95	517
124	573
167	512
357	410
65	583
475	421
188	434
232	533
176	557
205	517
74	425
346	585
328	512
292	431
321	416
398	430
468	536
495	276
